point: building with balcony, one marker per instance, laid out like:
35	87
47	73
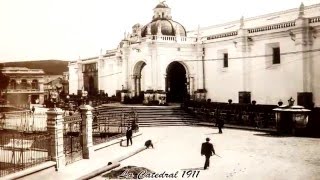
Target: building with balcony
25	85
267	58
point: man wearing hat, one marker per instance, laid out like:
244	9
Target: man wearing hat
207	150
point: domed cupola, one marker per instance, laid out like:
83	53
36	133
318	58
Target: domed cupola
162	23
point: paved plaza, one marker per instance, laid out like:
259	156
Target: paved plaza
244	154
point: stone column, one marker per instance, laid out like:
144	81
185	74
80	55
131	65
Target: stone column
135	86
191	84
55	129
86	113
148	76
138	85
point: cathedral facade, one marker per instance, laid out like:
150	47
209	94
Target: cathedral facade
268	58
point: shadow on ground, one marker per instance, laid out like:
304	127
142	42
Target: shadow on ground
277	135
274	135
212	133
189	169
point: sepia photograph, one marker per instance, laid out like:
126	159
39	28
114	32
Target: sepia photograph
159	89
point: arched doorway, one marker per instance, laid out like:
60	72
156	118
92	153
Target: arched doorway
137	78
176	82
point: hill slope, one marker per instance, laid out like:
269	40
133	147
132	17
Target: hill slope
50	67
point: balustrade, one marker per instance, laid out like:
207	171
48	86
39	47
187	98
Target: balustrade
314	20
170	38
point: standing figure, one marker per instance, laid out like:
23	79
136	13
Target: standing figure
207	150
129	135
220	123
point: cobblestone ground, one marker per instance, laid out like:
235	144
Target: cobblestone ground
244	154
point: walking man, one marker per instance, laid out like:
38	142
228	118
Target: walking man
129	135
207	150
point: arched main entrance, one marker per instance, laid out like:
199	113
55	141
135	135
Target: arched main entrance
138	81
176	82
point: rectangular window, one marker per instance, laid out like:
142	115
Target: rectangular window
276	55
225	60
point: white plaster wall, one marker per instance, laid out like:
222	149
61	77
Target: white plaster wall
222	83
270	83
73	78
110	76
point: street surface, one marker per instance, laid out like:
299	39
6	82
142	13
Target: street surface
244	154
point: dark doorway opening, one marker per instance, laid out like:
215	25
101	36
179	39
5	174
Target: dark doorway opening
91	86
176	82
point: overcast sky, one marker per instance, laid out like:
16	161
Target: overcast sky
67	29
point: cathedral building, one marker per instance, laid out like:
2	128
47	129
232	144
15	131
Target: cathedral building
267	59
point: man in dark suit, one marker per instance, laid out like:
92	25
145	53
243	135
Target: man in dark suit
129	135
207	150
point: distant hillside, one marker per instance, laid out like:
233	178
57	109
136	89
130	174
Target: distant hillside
50	67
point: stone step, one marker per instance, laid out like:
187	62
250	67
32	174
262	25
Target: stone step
153	116
165	124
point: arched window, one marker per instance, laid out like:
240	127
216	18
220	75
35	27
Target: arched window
35	84
24	84
13	84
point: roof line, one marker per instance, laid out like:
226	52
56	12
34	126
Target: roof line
257	17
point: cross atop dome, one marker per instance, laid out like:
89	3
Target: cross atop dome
162	4
162	23
162	11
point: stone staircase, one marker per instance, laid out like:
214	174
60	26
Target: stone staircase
149	116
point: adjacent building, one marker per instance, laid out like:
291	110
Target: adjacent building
25	85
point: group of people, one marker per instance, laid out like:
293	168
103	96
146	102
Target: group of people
148	143
207	148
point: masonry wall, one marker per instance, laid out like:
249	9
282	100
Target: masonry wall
223	83
315	57
273	82
110	74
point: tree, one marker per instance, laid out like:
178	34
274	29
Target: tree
4	81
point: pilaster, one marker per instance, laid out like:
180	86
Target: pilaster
243	49
86	113
55	129
303	41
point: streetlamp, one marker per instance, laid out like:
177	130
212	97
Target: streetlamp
84	97
67	98
54	96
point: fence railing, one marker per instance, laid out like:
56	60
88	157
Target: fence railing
260	116
24	121
108	125
19	151
72	138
